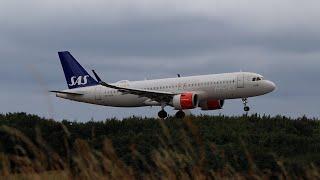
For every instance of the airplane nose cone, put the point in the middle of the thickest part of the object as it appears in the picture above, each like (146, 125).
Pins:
(271, 86)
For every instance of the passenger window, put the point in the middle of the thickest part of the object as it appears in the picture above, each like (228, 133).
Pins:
(254, 79)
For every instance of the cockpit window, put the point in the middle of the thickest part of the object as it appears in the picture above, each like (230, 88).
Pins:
(257, 78)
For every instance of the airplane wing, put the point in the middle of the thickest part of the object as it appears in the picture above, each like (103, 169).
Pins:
(158, 96)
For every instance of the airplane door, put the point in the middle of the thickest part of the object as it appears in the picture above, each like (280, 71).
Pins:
(98, 93)
(240, 81)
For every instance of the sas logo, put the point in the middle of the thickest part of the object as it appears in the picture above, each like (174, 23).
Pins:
(81, 80)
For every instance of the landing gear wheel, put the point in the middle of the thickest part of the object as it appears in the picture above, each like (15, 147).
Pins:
(180, 114)
(162, 114)
(245, 102)
(246, 108)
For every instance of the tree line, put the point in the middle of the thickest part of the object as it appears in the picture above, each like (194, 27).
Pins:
(209, 146)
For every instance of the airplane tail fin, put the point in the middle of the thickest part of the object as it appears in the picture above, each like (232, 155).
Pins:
(76, 75)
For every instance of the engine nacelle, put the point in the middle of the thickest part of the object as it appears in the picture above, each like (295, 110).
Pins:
(212, 104)
(185, 101)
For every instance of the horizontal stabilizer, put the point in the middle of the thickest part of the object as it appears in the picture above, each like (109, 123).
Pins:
(69, 93)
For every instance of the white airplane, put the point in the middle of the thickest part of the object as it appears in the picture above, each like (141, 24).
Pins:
(207, 92)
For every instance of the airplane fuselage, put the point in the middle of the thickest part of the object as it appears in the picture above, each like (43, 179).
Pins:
(215, 86)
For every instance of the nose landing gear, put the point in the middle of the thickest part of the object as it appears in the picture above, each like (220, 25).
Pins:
(245, 102)
(246, 108)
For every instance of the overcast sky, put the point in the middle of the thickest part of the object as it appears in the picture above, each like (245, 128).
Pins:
(134, 40)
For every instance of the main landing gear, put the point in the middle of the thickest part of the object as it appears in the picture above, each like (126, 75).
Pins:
(245, 102)
(163, 114)
(180, 114)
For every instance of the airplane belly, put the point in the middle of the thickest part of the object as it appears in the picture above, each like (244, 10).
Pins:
(244, 93)
(124, 101)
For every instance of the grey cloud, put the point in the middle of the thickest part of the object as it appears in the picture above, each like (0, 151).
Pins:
(178, 36)
(154, 40)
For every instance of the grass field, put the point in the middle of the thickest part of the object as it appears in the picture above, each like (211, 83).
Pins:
(219, 147)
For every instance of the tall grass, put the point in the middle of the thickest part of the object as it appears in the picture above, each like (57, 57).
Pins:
(182, 153)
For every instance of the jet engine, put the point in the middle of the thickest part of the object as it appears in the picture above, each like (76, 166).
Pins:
(185, 101)
(212, 104)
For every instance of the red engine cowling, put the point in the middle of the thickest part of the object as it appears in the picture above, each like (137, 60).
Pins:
(185, 101)
(212, 104)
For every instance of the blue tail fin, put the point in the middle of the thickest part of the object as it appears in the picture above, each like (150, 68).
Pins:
(75, 74)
